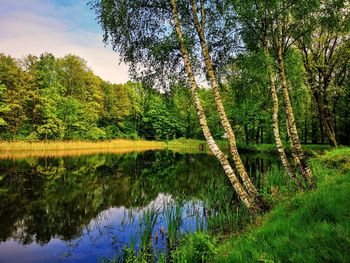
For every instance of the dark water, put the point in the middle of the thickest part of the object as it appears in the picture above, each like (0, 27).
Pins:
(80, 209)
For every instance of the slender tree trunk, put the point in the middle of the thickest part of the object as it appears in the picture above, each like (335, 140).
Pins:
(335, 102)
(244, 196)
(252, 134)
(347, 125)
(246, 134)
(257, 134)
(305, 129)
(293, 133)
(314, 120)
(276, 132)
(321, 130)
(219, 104)
(326, 120)
(296, 156)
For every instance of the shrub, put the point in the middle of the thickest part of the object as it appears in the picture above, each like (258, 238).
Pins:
(196, 247)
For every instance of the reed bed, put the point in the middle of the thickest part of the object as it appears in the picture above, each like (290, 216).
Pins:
(19, 149)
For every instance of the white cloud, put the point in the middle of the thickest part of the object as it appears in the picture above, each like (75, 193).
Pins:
(31, 27)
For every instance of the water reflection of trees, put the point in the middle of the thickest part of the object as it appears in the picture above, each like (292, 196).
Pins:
(48, 197)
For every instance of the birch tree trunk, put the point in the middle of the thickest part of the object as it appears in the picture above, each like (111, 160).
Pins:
(242, 193)
(219, 104)
(296, 156)
(291, 125)
(275, 125)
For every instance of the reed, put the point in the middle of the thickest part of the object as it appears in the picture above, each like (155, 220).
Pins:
(20, 149)
(222, 211)
(147, 223)
(173, 218)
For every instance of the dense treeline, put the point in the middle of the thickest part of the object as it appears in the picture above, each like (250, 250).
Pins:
(61, 98)
(252, 105)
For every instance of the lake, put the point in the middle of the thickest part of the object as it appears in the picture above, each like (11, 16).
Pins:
(86, 208)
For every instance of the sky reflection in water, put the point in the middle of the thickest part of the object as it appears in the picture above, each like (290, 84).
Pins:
(79, 209)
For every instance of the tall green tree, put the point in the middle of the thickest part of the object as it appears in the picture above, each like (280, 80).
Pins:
(326, 55)
(4, 108)
(14, 79)
(48, 90)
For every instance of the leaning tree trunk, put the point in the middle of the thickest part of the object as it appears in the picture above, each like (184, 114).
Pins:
(294, 138)
(326, 120)
(243, 195)
(296, 156)
(276, 132)
(219, 104)
(323, 111)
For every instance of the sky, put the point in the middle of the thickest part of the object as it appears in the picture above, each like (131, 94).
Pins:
(59, 27)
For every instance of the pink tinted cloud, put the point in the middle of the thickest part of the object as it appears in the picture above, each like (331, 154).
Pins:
(30, 29)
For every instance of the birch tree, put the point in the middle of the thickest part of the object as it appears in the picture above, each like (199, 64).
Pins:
(260, 22)
(285, 31)
(150, 37)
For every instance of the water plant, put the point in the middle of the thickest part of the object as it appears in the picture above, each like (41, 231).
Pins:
(147, 221)
(173, 218)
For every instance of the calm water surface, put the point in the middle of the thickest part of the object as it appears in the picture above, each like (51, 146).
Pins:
(81, 209)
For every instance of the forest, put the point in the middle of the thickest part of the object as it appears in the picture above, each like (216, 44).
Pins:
(49, 98)
(230, 144)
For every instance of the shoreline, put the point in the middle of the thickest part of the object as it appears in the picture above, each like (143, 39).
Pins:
(310, 226)
(23, 149)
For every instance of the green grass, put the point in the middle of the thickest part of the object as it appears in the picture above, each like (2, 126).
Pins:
(186, 145)
(310, 227)
(338, 159)
(195, 247)
(194, 146)
(183, 145)
(309, 149)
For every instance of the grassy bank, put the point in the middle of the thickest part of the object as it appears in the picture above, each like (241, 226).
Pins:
(187, 145)
(191, 145)
(309, 149)
(312, 226)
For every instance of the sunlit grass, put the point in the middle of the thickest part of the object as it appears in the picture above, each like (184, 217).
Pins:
(22, 149)
(344, 151)
(187, 145)
(183, 145)
(309, 149)
(309, 227)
